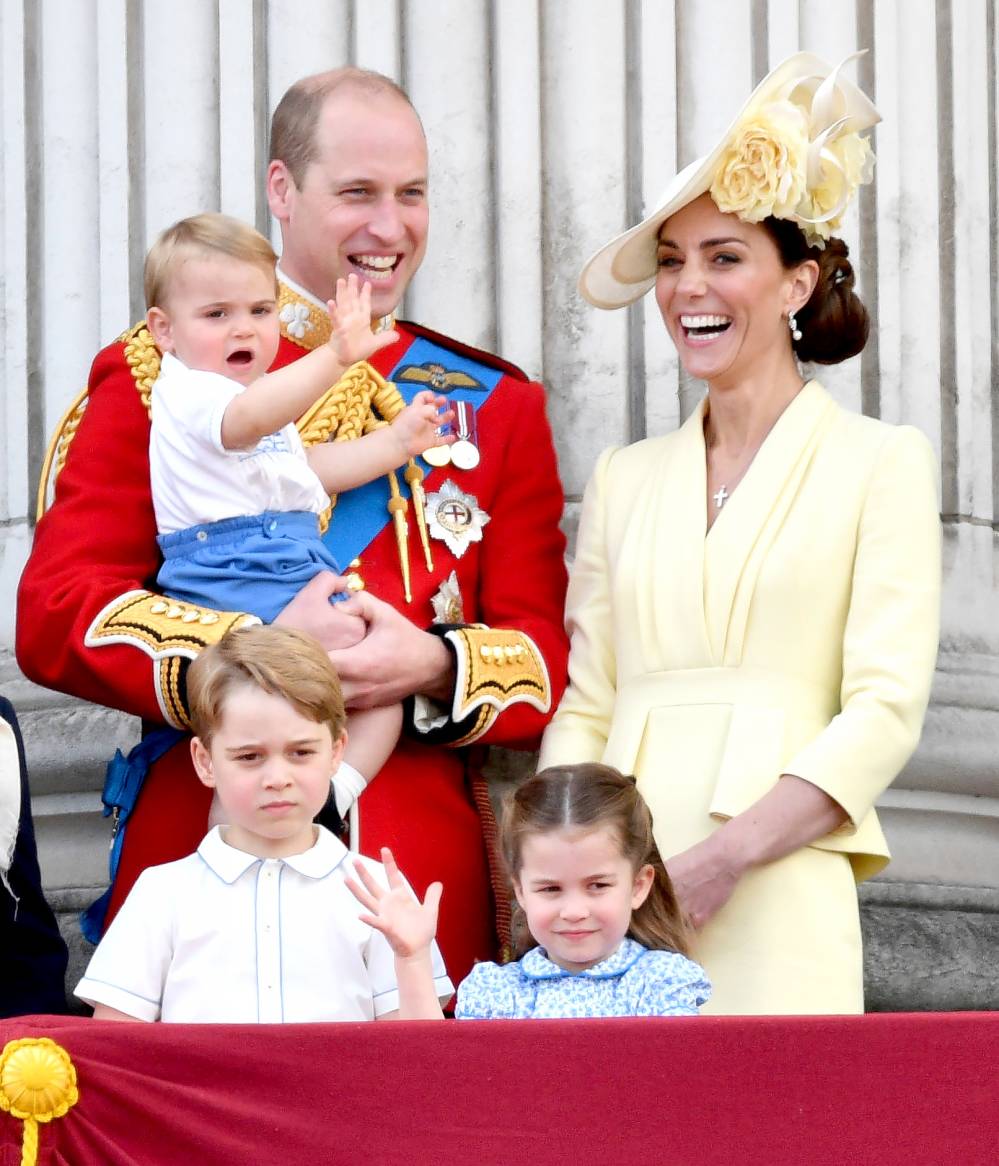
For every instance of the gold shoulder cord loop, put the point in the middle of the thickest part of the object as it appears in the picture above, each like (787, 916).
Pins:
(361, 401)
(55, 455)
(143, 358)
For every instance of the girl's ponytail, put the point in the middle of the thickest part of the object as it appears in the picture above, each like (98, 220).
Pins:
(659, 924)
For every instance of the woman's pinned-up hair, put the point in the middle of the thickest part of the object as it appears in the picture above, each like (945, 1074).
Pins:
(834, 324)
(589, 796)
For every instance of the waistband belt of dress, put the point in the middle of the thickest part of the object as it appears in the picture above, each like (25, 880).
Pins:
(742, 686)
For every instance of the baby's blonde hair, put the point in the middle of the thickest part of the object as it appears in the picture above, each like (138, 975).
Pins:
(196, 237)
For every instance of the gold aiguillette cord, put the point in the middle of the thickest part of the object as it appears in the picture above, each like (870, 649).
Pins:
(397, 507)
(414, 477)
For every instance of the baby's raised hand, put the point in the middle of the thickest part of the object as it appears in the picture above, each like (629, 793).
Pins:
(407, 924)
(417, 425)
(351, 337)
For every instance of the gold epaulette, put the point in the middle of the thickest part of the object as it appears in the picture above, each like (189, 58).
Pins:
(143, 358)
(496, 668)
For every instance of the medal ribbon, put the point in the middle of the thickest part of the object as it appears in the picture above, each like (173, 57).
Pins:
(361, 514)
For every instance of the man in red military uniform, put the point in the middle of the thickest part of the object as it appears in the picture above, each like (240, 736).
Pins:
(457, 569)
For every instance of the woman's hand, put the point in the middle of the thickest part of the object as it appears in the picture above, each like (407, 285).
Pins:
(792, 814)
(703, 878)
(407, 924)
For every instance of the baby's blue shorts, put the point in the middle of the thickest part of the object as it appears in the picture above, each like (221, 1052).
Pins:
(255, 563)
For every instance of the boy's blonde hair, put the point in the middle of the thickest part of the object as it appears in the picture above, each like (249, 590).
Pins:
(197, 237)
(280, 661)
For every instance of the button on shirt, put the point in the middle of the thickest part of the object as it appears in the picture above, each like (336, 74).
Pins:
(632, 982)
(223, 936)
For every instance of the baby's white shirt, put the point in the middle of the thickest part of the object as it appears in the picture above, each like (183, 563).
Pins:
(195, 479)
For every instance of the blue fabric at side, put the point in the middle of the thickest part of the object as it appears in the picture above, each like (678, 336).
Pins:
(122, 783)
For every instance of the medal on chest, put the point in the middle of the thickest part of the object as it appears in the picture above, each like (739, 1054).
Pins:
(464, 453)
(455, 517)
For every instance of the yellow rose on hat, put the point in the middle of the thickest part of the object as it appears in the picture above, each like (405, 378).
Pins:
(842, 165)
(794, 151)
(762, 169)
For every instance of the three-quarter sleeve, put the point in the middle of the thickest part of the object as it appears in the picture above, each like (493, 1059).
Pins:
(891, 633)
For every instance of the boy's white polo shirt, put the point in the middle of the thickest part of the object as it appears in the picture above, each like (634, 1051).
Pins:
(225, 937)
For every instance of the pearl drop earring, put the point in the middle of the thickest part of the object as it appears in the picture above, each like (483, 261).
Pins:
(792, 323)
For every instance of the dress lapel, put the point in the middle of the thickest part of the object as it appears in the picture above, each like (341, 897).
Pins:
(741, 535)
(671, 543)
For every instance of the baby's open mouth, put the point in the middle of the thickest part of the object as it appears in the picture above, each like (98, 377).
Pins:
(241, 356)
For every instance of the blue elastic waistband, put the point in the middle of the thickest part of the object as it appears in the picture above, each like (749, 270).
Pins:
(271, 524)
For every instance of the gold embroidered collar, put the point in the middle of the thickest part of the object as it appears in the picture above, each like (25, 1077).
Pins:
(304, 318)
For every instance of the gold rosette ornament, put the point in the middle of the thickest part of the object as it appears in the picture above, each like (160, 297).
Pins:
(37, 1084)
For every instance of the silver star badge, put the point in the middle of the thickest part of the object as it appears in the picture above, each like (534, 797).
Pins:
(455, 517)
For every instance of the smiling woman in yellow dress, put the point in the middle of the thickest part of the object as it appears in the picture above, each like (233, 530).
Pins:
(754, 605)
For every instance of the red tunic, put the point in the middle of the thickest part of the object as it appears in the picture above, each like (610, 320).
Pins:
(88, 625)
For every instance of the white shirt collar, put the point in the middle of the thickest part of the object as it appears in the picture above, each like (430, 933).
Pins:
(299, 290)
(320, 860)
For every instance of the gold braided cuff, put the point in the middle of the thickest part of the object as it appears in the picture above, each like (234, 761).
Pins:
(170, 633)
(496, 668)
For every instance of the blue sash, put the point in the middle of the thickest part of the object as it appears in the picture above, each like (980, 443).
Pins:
(361, 514)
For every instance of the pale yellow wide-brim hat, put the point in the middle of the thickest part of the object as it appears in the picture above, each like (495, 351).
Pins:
(806, 117)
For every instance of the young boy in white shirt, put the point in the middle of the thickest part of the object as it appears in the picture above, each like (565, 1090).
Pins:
(261, 925)
(237, 498)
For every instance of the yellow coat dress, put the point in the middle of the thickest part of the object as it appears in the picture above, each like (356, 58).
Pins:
(797, 636)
